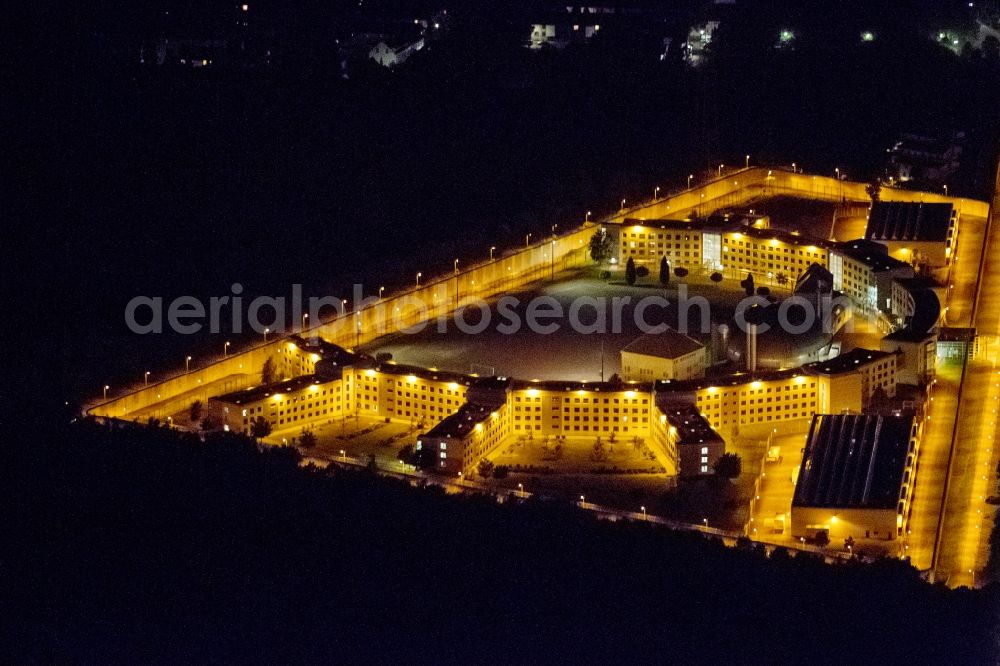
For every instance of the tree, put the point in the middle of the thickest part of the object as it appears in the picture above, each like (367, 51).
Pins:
(267, 372)
(763, 291)
(822, 538)
(716, 277)
(747, 284)
(874, 189)
(728, 466)
(485, 468)
(630, 271)
(781, 279)
(642, 271)
(196, 411)
(681, 272)
(600, 246)
(308, 439)
(664, 271)
(208, 424)
(501, 472)
(260, 428)
(383, 357)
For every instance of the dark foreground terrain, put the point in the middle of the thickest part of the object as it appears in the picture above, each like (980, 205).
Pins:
(134, 544)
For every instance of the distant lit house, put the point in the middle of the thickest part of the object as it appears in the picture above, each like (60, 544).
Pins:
(926, 159)
(392, 53)
(856, 477)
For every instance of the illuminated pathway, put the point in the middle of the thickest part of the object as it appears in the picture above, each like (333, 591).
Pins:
(967, 518)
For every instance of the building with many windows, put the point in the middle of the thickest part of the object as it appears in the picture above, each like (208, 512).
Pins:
(877, 370)
(687, 436)
(464, 438)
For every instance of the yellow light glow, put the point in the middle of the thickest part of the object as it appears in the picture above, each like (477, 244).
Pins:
(479, 426)
(411, 379)
(276, 397)
(314, 357)
(453, 386)
(774, 242)
(532, 393)
(833, 520)
(291, 346)
(629, 394)
(713, 389)
(581, 392)
(800, 380)
(370, 373)
(755, 385)
(738, 236)
(314, 388)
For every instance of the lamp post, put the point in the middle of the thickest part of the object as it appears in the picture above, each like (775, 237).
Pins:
(690, 176)
(587, 218)
(305, 319)
(418, 278)
(748, 162)
(583, 501)
(520, 488)
(623, 204)
(837, 170)
(527, 239)
(656, 190)
(794, 168)
(721, 166)
(380, 290)
(187, 364)
(705, 521)
(456, 267)
(343, 303)
(225, 349)
(643, 509)
(145, 378)
(106, 387)
(266, 331)
(492, 250)
(554, 227)
(946, 190)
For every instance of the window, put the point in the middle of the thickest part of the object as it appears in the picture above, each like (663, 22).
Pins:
(704, 469)
(704, 450)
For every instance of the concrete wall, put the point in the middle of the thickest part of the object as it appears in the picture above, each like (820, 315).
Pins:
(436, 296)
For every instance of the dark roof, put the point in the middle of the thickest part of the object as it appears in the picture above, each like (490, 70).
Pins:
(814, 277)
(849, 362)
(461, 423)
(571, 385)
(853, 461)
(908, 221)
(665, 388)
(255, 393)
(872, 254)
(907, 334)
(692, 428)
(956, 334)
(926, 310)
(669, 344)
(334, 355)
